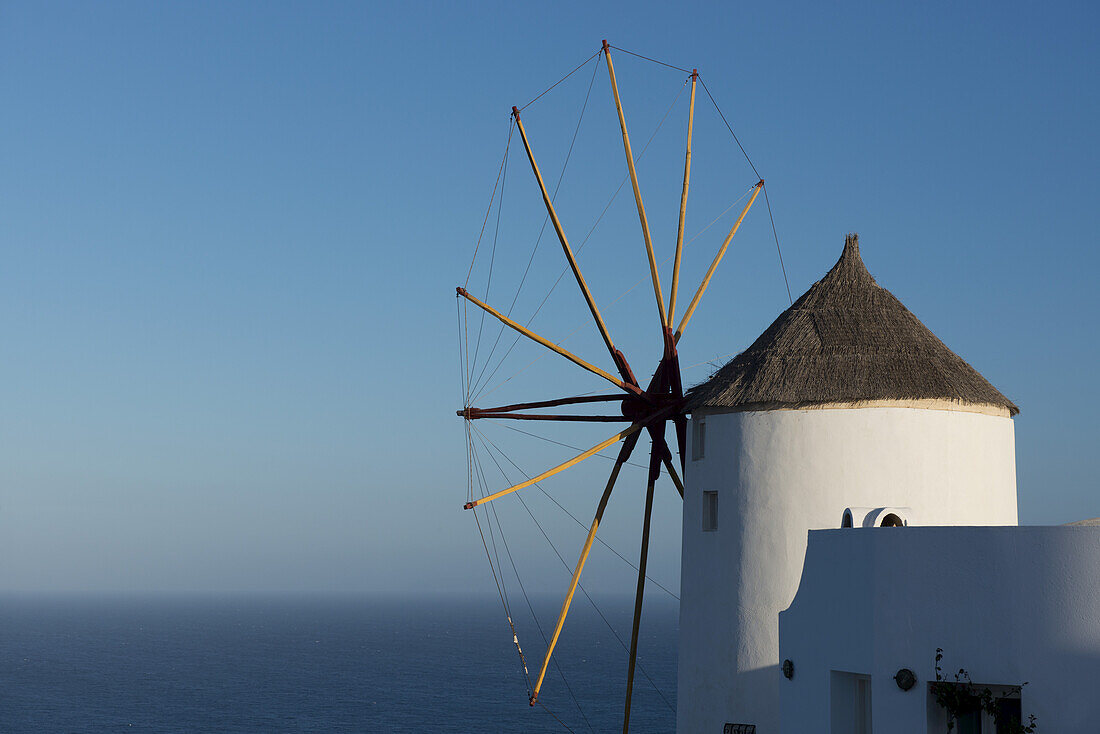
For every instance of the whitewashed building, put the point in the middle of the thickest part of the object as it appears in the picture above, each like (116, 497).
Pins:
(1009, 605)
(846, 412)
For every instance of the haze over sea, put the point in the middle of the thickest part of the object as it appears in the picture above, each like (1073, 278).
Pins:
(192, 663)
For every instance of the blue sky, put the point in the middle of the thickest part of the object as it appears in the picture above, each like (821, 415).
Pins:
(231, 234)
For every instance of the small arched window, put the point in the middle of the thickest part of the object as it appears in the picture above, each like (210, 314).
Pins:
(846, 521)
(892, 521)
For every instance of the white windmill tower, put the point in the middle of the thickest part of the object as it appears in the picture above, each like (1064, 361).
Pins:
(846, 410)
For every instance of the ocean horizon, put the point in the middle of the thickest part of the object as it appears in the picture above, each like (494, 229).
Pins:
(218, 662)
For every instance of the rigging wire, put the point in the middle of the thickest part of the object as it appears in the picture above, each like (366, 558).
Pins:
(511, 124)
(469, 466)
(568, 728)
(770, 217)
(655, 61)
(542, 230)
(462, 378)
(530, 607)
(559, 81)
(592, 601)
(550, 497)
(492, 257)
(515, 636)
(575, 448)
(508, 609)
(776, 234)
(569, 569)
(714, 221)
(622, 183)
(466, 337)
(496, 580)
(461, 370)
(493, 540)
(729, 127)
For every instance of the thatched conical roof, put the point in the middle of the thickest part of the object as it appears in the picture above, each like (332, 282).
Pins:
(847, 340)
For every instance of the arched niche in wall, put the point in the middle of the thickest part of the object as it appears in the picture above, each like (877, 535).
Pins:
(889, 517)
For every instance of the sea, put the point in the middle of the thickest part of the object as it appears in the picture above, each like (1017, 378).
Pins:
(281, 663)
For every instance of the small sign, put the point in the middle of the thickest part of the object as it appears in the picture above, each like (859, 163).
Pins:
(739, 729)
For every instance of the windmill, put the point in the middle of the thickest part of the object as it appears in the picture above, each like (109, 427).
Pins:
(645, 409)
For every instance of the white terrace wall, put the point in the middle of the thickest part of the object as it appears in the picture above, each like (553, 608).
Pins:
(1007, 604)
(780, 473)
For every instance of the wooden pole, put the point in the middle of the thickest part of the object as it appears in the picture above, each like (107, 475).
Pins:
(675, 477)
(683, 206)
(549, 344)
(714, 264)
(637, 191)
(559, 468)
(654, 472)
(547, 403)
(475, 414)
(624, 454)
(564, 242)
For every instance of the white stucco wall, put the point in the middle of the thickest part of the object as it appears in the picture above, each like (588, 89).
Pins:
(780, 473)
(1007, 604)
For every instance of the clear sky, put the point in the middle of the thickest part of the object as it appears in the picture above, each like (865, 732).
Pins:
(231, 234)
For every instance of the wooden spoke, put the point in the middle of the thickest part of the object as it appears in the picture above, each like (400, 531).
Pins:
(549, 403)
(654, 472)
(474, 414)
(714, 265)
(565, 243)
(549, 344)
(637, 191)
(683, 207)
(675, 477)
(624, 454)
(632, 430)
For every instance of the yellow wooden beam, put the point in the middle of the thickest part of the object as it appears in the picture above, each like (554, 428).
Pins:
(683, 206)
(624, 454)
(714, 264)
(559, 468)
(549, 344)
(564, 242)
(637, 191)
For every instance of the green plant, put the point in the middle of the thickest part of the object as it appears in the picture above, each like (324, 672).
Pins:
(961, 696)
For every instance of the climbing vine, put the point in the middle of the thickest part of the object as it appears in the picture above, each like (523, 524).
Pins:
(960, 696)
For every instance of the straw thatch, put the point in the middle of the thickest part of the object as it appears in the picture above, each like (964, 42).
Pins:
(846, 340)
